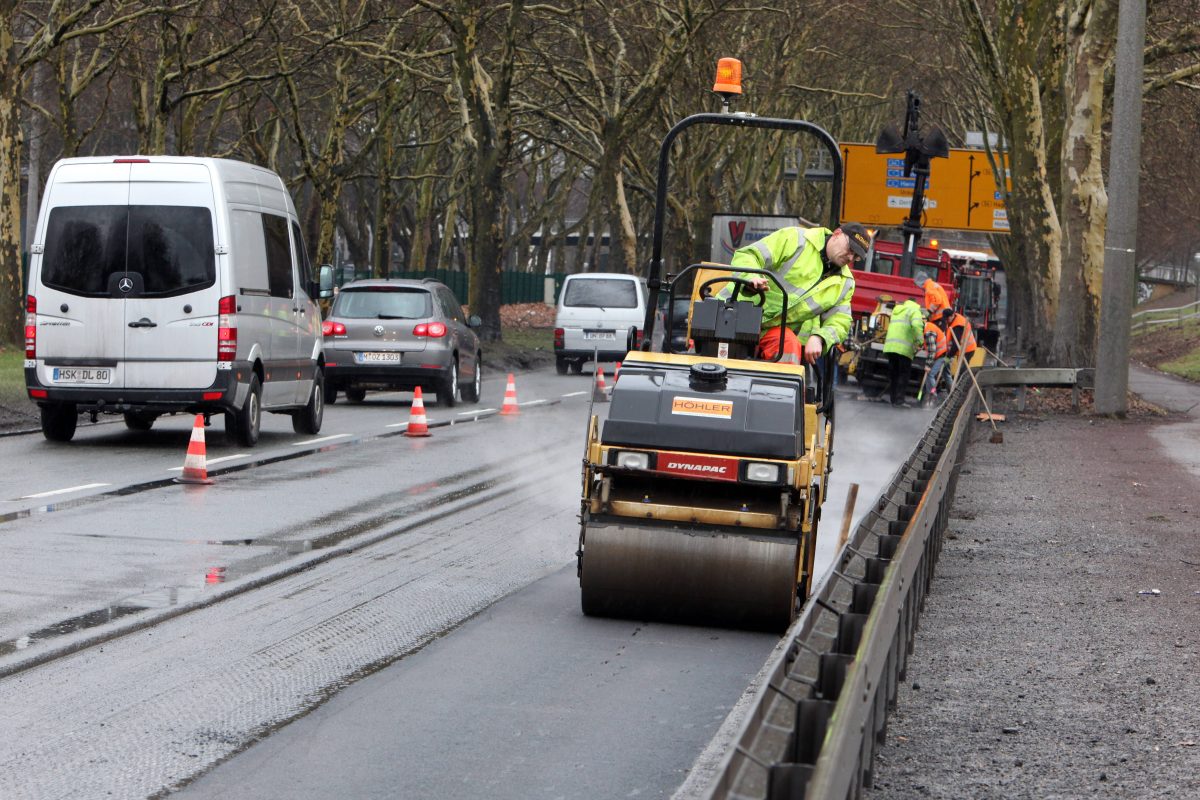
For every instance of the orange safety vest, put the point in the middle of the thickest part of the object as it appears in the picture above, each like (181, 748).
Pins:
(935, 295)
(939, 336)
(966, 337)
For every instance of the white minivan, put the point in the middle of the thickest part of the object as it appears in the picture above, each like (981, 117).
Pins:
(171, 284)
(600, 318)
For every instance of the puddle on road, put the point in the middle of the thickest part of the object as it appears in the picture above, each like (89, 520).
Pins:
(82, 622)
(276, 550)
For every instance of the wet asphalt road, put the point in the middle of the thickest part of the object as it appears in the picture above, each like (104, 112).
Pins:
(527, 697)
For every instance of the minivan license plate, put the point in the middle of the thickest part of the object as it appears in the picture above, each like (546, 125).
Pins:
(608, 335)
(379, 358)
(81, 375)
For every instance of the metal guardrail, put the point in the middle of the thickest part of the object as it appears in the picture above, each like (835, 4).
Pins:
(1163, 316)
(812, 729)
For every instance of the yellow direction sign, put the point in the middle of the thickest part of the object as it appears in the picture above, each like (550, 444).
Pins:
(961, 193)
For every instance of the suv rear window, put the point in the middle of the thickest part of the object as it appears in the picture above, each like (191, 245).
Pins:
(171, 247)
(601, 292)
(382, 302)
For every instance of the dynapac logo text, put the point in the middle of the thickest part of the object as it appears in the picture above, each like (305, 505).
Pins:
(697, 467)
(711, 468)
(702, 407)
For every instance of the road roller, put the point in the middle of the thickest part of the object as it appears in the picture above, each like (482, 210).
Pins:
(703, 484)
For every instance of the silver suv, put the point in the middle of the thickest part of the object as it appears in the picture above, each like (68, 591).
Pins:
(399, 334)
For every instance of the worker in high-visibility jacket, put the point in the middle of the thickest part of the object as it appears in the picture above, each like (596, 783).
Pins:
(813, 264)
(935, 295)
(905, 335)
(935, 348)
(959, 334)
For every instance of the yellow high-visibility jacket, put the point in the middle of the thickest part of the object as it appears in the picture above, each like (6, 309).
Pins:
(906, 330)
(818, 299)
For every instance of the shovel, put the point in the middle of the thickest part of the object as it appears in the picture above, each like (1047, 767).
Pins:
(997, 436)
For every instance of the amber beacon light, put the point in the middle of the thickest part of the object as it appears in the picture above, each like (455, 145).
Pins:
(729, 77)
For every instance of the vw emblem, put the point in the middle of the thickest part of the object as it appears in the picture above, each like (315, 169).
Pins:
(125, 284)
(379, 330)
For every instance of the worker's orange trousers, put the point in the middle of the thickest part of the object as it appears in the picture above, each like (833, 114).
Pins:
(768, 346)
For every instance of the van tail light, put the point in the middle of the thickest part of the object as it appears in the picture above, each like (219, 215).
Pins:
(30, 327)
(637, 339)
(332, 329)
(227, 328)
(559, 339)
(433, 330)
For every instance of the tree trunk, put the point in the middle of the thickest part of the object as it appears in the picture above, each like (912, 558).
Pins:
(12, 282)
(1085, 200)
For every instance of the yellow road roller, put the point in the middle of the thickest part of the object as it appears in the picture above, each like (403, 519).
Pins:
(702, 487)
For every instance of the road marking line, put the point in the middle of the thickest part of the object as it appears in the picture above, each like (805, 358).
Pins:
(532, 403)
(322, 439)
(208, 461)
(475, 412)
(64, 491)
(573, 394)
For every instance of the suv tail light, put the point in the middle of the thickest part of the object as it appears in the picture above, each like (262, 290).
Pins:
(329, 328)
(30, 327)
(559, 339)
(431, 329)
(227, 328)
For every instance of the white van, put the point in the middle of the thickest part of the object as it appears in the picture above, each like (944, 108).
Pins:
(171, 284)
(600, 318)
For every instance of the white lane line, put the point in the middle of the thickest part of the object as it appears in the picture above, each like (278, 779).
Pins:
(208, 461)
(405, 424)
(532, 403)
(321, 439)
(573, 394)
(475, 412)
(65, 491)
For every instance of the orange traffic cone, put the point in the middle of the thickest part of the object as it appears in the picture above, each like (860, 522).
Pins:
(616, 373)
(510, 397)
(599, 390)
(417, 426)
(195, 468)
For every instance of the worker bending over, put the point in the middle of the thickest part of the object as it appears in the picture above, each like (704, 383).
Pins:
(935, 296)
(935, 348)
(813, 265)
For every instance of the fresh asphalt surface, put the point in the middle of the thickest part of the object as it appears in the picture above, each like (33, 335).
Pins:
(455, 597)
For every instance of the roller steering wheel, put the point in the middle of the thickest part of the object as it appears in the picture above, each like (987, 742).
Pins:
(756, 296)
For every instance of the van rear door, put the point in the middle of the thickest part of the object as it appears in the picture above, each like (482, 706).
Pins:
(80, 338)
(170, 283)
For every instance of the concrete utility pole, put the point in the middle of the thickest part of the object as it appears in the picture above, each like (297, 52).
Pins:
(1120, 238)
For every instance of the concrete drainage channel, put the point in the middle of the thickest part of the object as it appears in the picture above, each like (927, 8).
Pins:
(812, 728)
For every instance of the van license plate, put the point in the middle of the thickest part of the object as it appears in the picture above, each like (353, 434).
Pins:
(81, 375)
(606, 335)
(379, 358)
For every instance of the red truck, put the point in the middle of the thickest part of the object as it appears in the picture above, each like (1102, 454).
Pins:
(880, 274)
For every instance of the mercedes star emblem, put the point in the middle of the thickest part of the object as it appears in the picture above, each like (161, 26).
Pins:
(125, 284)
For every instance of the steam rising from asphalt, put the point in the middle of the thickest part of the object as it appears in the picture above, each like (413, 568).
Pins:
(870, 441)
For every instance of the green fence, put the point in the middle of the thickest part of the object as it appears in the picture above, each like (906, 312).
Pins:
(515, 287)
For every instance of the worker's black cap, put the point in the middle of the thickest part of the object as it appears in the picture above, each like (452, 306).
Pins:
(860, 240)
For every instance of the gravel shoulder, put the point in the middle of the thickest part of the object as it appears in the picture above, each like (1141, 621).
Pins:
(1044, 667)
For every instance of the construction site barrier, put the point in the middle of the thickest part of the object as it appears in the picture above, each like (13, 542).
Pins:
(812, 728)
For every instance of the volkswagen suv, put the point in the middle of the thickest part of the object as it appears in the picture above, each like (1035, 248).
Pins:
(398, 334)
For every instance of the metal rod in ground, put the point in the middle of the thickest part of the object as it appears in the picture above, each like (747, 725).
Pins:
(848, 516)
(997, 436)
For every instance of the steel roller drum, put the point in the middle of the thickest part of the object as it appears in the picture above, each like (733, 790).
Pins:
(745, 579)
